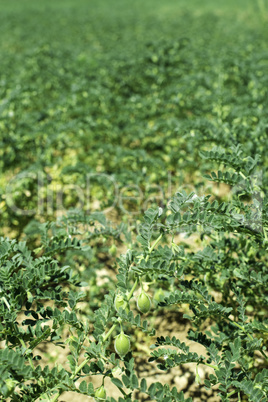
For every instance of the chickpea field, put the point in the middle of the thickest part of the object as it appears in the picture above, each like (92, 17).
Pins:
(133, 200)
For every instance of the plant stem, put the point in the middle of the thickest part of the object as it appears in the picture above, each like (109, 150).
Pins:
(132, 289)
(250, 336)
(6, 302)
(231, 393)
(153, 246)
(26, 350)
(242, 328)
(242, 175)
(210, 365)
(128, 298)
(109, 332)
(79, 368)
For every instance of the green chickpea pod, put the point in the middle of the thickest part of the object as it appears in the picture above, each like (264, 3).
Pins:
(120, 302)
(100, 394)
(113, 250)
(143, 302)
(122, 344)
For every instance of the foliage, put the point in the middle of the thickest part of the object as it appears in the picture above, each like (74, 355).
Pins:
(127, 108)
(235, 338)
(120, 141)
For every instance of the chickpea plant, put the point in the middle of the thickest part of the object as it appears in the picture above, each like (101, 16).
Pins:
(233, 263)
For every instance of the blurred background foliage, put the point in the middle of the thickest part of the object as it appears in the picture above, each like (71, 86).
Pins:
(116, 99)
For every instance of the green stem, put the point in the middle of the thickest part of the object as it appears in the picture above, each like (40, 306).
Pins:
(210, 365)
(109, 332)
(150, 252)
(128, 298)
(153, 246)
(242, 175)
(265, 235)
(231, 393)
(122, 391)
(26, 350)
(242, 328)
(6, 302)
(250, 336)
(77, 370)
(264, 355)
(132, 289)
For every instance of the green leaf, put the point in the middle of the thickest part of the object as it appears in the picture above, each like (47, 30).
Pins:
(117, 382)
(83, 387)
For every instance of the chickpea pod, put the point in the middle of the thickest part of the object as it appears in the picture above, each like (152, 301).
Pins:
(122, 344)
(120, 302)
(100, 394)
(143, 302)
